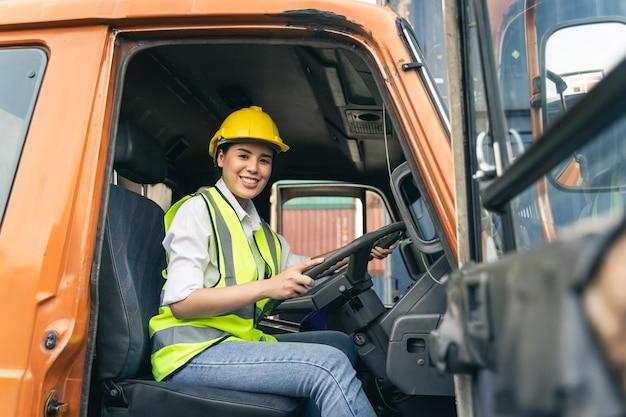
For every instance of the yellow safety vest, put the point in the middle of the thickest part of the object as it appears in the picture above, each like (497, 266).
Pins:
(174, 341)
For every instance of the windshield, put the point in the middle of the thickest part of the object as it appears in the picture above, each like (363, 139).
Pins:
(548, 55)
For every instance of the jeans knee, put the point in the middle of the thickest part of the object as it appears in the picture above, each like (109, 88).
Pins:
(347, 346)
(336, 360)
(338, 378)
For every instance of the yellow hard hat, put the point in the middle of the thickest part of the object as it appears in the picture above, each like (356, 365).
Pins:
(250, 123)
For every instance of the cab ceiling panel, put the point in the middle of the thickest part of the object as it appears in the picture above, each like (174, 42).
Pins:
(233, 76)
(268, 76)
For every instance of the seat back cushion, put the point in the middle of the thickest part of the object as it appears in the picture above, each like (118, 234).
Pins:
(129, 284)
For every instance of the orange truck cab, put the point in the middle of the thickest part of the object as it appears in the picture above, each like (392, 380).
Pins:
(106, 110)
(505, 293)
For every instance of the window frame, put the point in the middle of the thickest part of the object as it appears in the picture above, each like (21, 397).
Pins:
(412, 45)
(45, 58)
(323, 189)
(399, 175)
(357, 191)
(495, 113)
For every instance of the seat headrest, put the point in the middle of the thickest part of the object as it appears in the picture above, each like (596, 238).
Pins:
(138, 156)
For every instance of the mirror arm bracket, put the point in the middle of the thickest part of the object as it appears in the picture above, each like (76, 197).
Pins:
(535, 96)
(411, 65)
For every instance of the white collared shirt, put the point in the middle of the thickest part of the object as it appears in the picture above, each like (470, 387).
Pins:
(192, 263)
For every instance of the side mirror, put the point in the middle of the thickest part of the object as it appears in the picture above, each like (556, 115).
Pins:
(575, 58)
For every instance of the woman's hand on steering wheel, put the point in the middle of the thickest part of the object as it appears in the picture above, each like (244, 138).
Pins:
(356, 253)
(291, 282)
(376, 253)
(381, 253)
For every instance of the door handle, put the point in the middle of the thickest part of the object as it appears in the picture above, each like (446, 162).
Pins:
(486, 170)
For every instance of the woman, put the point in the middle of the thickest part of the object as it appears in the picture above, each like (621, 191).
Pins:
(205, 332)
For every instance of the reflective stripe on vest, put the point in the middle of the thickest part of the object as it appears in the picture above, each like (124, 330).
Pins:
(183, 334)
(174, 341)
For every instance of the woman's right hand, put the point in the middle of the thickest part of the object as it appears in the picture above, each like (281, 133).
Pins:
(291, 282)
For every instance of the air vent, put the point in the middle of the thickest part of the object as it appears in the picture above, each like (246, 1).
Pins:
(364, 122)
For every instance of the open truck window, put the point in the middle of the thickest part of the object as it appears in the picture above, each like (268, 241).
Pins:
(329, 100)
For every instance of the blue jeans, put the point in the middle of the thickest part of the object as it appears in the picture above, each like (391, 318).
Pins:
(295, 369)
(338, 340)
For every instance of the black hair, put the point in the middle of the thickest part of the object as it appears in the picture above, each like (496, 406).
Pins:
(224, 147)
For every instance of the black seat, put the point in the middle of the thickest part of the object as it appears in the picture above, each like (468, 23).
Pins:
(129, 287)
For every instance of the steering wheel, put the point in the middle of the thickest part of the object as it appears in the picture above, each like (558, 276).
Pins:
(358, 252)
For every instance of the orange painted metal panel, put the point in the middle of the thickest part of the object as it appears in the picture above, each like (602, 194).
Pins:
(33, 12)
(48, 233)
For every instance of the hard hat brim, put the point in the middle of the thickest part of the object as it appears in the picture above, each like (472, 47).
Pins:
(277, 145)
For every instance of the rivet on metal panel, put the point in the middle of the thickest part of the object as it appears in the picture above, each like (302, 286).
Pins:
(51, 340)
(31, 74)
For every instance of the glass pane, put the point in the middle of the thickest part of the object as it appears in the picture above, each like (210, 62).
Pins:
(575, 62)
(588, 184)
(22, 70)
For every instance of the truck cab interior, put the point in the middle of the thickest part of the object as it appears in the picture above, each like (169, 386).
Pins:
(329, 103)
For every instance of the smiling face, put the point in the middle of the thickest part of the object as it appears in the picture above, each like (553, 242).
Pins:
(246, 168)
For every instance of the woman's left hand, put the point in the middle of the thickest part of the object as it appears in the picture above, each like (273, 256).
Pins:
(376, 253)
(381, 253)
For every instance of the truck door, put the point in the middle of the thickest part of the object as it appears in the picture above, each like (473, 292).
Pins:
(541, 203)
(52, 93)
